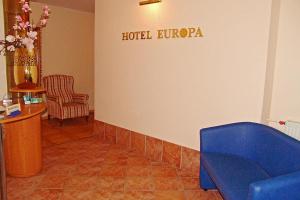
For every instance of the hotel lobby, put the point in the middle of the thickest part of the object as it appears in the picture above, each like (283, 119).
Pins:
(142, 88)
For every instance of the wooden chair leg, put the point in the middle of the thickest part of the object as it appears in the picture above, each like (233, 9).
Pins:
(61, 121)
(49, 117)
(87, 118)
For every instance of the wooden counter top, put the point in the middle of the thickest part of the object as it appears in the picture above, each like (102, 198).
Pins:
(27, 111)
(34, 90)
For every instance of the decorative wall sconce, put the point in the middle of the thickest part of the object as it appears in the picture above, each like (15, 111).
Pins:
(149, 2)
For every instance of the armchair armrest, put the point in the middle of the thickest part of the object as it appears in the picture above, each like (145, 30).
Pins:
(56, 99)
(277, 188)
(80, 98)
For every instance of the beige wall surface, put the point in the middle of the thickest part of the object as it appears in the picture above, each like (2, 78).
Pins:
(3, 83)
(286, 87)
(169, 89)
(68, 46)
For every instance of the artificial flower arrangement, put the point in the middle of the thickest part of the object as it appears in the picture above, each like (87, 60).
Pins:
(25, 33)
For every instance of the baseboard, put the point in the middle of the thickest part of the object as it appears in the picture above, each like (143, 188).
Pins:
(156, 150)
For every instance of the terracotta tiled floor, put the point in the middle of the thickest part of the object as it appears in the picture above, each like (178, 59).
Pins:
(77, 165)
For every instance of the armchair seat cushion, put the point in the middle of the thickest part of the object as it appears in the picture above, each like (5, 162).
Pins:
(232, 174)
(74, 109)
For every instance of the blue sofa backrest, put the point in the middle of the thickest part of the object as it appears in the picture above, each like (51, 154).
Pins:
(274, 151)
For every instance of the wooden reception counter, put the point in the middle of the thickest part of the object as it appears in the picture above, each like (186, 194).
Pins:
(22, 141)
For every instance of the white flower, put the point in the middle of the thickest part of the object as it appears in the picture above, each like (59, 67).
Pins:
(10, 38)
(11, 48)
(28, 42)
(32, 35)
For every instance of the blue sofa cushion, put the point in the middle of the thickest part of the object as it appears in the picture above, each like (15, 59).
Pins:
(232, 174)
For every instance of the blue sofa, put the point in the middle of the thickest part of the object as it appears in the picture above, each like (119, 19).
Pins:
(250, 161)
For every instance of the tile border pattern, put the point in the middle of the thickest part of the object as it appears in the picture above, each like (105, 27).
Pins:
(154, 149)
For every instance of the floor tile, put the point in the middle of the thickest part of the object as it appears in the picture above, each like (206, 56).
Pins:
(163, 171)
(50, 181)
(102, 195)
(139, 171)
(81, 183)
(139, 184)
(46, 194)
(139, 195)
(85, 169)
(190, 183)
(79, 165)
(78, 195)
(110, 184)
(117, 196)
(200, 194)
(138, 161)
(110, 170)
(169, 195)
(168, 183)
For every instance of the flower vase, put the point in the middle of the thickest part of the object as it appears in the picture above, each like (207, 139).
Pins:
(25, 68)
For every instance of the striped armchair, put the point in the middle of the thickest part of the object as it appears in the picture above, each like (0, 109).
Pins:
(62, 101)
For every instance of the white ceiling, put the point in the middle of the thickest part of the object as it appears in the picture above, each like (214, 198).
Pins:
(82, 5)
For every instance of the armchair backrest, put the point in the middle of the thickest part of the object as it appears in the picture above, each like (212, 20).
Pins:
(59, 85)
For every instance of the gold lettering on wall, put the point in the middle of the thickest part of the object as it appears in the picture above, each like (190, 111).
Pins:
(125, 36)
(191, 32)
(138, 35)
(160, 34)
(199, 33)
(175, 33)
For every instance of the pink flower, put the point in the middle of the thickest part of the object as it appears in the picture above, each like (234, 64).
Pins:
(24, 25)
(21, 27)
(46, 7)
(43, 22)
(46, 13)
(19, 18)
(26, 7)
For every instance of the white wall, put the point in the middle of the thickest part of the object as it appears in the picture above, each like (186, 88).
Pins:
(68, 46)
(3, 82)
(169, 89)
(286, 88)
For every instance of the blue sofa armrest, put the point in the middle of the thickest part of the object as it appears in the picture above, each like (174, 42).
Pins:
(227, 139)
(277, 188)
